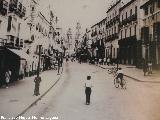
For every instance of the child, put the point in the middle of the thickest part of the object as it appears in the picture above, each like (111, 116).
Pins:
(88, 90)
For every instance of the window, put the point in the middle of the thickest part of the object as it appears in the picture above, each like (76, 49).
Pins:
(126, 15)
(0, 24)
(136, 10)
(131, 12)
(32, 8)
(117, 52)
(125, 33)
(135, 29)
(114, 52)
(115, 29)
(146, 11)
(121, 34)
(9, 24)
(158, 3)
(152, 8)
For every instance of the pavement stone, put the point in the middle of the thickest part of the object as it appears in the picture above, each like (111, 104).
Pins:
(19, 96)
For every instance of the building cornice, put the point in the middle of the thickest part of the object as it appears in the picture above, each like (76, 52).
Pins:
(147, 3)
(126, 5)
(157, 12)
(113, 6)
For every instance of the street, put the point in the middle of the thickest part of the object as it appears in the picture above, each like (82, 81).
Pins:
(140, 101)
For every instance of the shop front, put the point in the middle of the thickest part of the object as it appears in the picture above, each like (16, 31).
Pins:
(13, 60)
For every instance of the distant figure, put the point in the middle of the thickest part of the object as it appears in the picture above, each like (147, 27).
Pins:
(150, 67)
(7, 77)
(108, 61)
(104, 61)
(145, 67)
(88, 90)
(59, 64)
(67, 58)
(120, 76)
(100, 61)
(37, 81)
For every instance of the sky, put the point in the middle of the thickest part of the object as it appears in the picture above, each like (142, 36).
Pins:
(86, 12)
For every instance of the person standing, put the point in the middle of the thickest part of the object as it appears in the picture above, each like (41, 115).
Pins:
(145, 67)
(88, 90)
(37, 81)
(150, 67)
(7, 77)
(59, 63)
(108, 61)
(104, 60)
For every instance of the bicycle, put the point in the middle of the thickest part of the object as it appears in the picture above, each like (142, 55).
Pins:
(117, 83)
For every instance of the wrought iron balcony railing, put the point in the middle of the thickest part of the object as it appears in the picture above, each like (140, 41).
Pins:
(13, 5)
(3, 7)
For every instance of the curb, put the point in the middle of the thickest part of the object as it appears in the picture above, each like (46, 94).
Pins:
(135, 79)
(102, 67)
(32, 104)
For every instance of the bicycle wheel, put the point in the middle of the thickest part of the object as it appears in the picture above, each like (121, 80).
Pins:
(123, 84)
(116, 83)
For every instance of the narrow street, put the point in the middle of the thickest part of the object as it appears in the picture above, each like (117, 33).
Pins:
(67, 99)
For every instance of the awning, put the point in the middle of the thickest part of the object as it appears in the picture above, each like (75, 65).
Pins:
(21, 54)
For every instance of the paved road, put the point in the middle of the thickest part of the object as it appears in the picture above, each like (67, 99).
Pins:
(141, 101)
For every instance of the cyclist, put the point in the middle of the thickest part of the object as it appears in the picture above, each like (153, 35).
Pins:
(120, 76)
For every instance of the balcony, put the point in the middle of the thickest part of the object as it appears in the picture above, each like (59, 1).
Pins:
(23, 11)
(124, 22)
(112, 37)
(93, 34)
(3, 7)
(134, 17)
(13, 5)
(19, 9)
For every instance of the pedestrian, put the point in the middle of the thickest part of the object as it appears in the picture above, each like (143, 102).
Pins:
(108, 61)
(150, 67)
(104, 60)
(88, 90)
(100, 61)
(37, 81)
(59, 64)
(7, 77)
(145, 67)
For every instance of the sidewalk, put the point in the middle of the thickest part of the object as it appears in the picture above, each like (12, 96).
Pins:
(137, 74)
(19, 96)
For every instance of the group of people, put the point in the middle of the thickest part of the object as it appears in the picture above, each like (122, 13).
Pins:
(101, 61)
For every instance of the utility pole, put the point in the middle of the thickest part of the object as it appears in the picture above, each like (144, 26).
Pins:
(37, 79)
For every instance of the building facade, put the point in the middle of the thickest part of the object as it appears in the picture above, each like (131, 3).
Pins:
(130, 50)
(3, 21)
(112, 30)
(150, 31)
